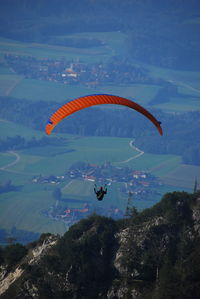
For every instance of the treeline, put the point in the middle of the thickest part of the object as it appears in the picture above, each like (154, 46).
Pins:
(181, 131)
(12, 254)
(8, 187)
(15, 235)
(155, 34)
(191, 155)
(19, 142)
(171, 45)
(181, 137)
(76, 42)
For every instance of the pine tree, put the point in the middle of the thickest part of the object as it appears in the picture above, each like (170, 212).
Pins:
(195, 185)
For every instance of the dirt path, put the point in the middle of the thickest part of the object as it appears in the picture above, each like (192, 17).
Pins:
(17, 160)
(185, 85)
(140, 153)
(12, 86)
(17, 156)
(68, 184)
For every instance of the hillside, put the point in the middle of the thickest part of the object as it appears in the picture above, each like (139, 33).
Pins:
(153, 254)
(164, 34)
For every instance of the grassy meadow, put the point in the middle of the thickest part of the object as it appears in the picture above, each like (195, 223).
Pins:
(111, 45)
(47, 91)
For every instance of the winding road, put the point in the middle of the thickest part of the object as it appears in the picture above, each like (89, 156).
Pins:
(140, 153)
(12, 163)
(185, 85)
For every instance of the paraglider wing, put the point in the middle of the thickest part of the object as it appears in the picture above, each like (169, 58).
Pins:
(91, 100)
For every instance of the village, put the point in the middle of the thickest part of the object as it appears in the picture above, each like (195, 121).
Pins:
(135, 181)
(105, 174)
(73, 73)
(69, 215)
(139, 183)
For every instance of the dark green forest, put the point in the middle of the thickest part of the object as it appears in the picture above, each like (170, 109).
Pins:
(99, 122)
(160, 33)
(18, 142)
(14, 235)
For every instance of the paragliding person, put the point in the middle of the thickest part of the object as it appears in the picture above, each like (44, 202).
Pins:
(101, 192)
(98, 99)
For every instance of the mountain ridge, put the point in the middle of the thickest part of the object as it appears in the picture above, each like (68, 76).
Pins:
(152, 254)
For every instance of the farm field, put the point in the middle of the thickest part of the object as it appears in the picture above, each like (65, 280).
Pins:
(185, 79)
(111, 42)
(181, 105)
(141, 93)
(158, 165)
(58, 92)
(5, 159)
(9, 129)
(184, 176)
(47, 91)
(188, 84)
(23, 210)
(8, 82)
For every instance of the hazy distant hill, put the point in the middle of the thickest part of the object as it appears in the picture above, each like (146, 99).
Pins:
(161, 33)
(153, 254)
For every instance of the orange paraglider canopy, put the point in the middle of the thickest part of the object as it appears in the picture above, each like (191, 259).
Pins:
(91, 100)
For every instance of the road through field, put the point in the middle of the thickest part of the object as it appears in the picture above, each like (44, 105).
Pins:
(185, 85)
(140, 153)
(12, 163)
(66, 186)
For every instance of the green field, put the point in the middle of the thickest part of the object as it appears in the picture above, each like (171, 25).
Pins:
(112, 42)
(142, 93)
(187, 79)
(24, 212)
(54, 91)
(5, 159)
(74, 188)
(8, 82)
(188, 84)
(181, 105)
(47, 91)
(183, 176)
(4, 70)
(8, 129)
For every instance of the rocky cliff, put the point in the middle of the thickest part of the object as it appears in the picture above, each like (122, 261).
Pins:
(153, 254)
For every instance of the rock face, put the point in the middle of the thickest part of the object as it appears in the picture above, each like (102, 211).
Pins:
(196, 216)
(7, 279)
(154, 254)
(133, 243)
